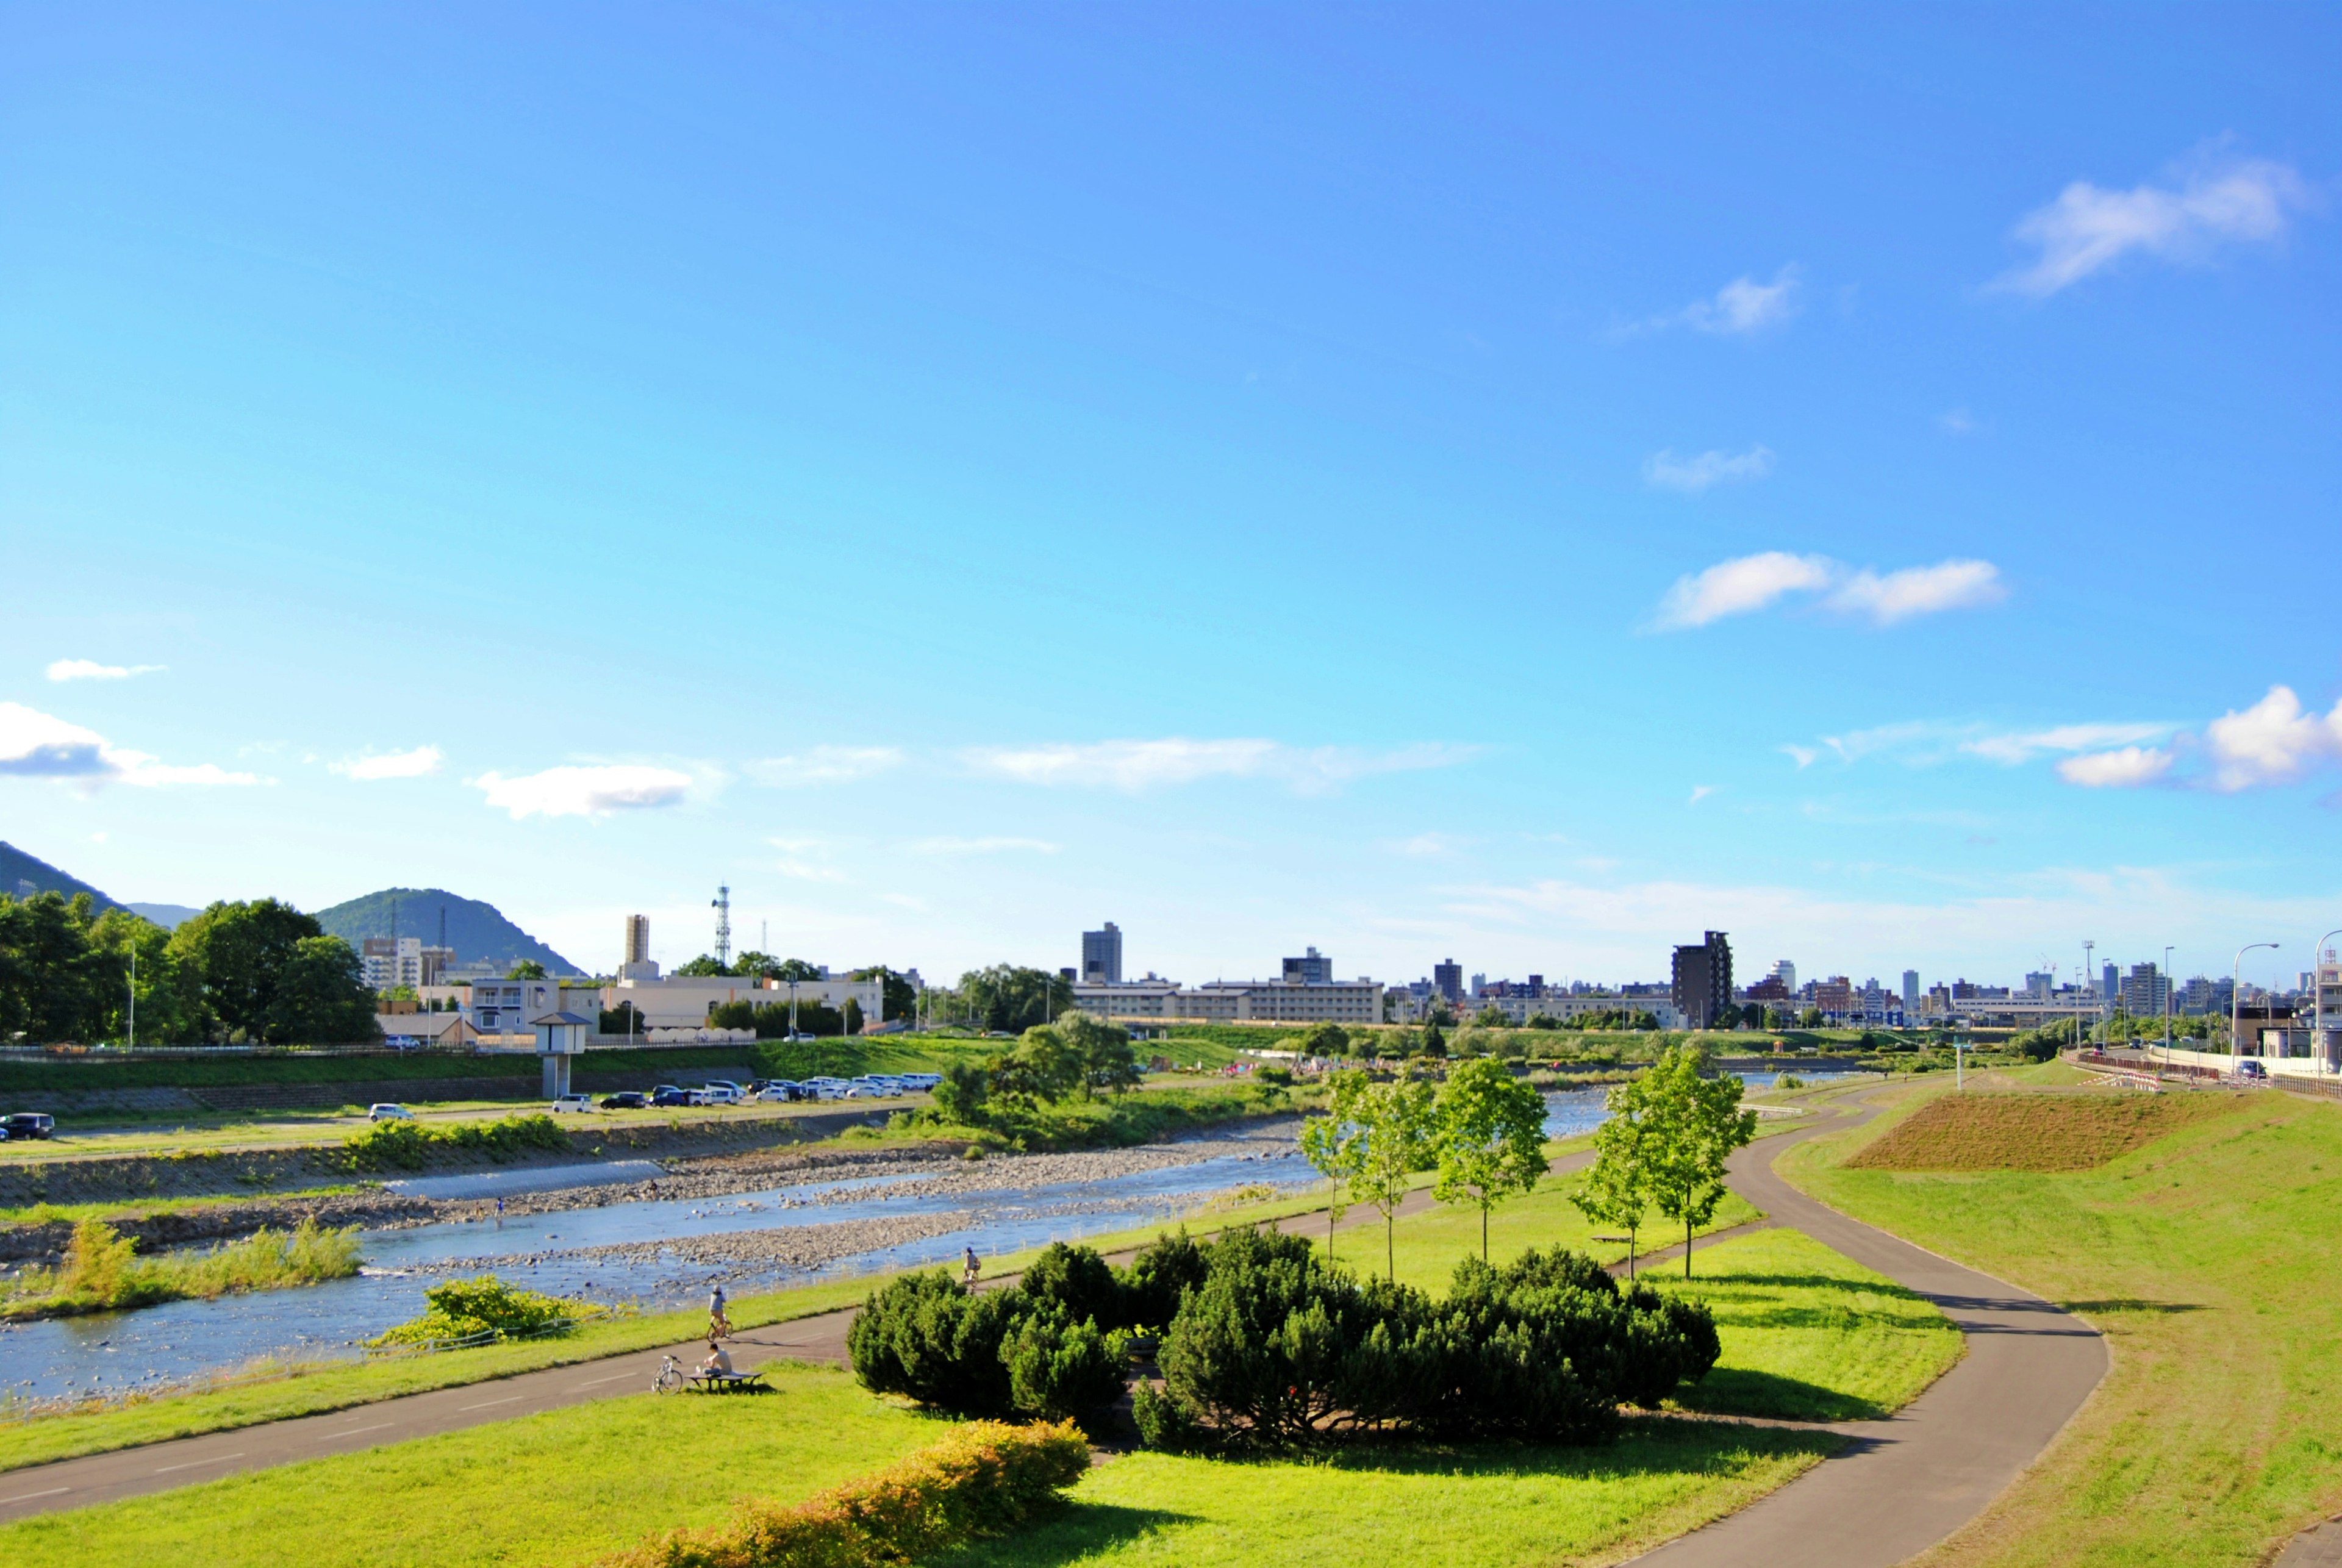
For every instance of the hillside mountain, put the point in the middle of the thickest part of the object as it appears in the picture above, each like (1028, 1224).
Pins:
(21, 873)
(475, 930)
(169, 916)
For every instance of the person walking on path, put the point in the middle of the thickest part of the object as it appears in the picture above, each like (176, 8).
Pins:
(718, 1324)
(969, 1268)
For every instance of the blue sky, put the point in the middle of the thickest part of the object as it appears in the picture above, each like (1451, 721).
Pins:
(1492, 481)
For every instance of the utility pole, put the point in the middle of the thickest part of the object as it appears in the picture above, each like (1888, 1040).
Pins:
(2166, 1007)
(131, 1038)
(722, 905)
(2090, 980)
(2236, 1001)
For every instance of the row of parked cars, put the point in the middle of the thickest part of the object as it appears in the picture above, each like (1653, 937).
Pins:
(729, 1092)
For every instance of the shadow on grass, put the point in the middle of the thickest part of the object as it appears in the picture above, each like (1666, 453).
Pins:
(1743, 1391)
(1081, 1532)
(2132, 1303)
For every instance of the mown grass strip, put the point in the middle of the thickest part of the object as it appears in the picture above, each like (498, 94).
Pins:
(2035, 1131)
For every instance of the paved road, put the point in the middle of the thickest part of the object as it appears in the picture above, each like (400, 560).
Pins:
(1905, 1483)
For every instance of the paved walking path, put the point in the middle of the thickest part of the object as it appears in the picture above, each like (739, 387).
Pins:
(1905, 1483)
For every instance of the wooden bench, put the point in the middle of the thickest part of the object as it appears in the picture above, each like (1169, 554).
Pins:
(730, 1383)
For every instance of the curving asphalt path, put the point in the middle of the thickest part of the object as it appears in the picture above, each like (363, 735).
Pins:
(1904, 1483)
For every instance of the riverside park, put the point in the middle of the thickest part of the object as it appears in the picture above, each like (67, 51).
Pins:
(2022, 1312)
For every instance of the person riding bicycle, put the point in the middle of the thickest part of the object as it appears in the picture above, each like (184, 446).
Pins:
(718, 1324)
(969, 1268)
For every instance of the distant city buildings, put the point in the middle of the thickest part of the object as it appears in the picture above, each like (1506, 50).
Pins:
(1312, 968)
(1306, 993)
(387, 961)
(1447, 979)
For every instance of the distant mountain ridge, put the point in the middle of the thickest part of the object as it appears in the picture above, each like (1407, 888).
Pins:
(475, 930)
(19, 869)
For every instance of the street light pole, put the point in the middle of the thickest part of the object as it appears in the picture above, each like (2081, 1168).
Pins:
(2167, 1006)
(2089, 979)
(2236, 1000)
(2317, 997)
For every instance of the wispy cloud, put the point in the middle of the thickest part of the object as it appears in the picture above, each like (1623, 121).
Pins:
(1425, 845)
(2210, 202)
(1751, 583)
(1693, 474)
(416, 763)
(586, 791)
(2023, 746)
(1744, 305)
(2127, 767)
(90, 670)
(825, 765)
(959, 846)
(35, 745)
(1701, 791)
(1142, 764)
(1957, 422)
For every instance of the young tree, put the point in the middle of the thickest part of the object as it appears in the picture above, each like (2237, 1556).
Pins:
(1489, 1137)
(1043, 1065)
(1395, 1120)
(1617, 1189)
(1697, 1123)
(1108, 1060)
(1335, 1145)
(1007, 996)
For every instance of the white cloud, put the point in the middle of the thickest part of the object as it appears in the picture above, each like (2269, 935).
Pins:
(1693, 474)
(1739, 586)
(411, 764)
(1132, 765)
(1957, 422)
(1919, 591)
(2023, 748)
(2124, 768)
(90, 670)
(1804, 757)
(1701, 791)
(595, 791)
(825, 765)
(35, 745)
(2272, 742)
(956, 846)
(2212, 203)
(1744, 305)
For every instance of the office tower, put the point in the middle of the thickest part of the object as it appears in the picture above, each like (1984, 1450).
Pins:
(1702, 985)
(1102, 955)
(1313, 969)
(1447, 979)
(1910, 994)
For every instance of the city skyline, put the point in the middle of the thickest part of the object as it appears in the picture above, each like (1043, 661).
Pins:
(938, 481)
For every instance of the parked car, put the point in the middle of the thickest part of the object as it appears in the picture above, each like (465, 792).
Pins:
(781, 1089)
(384, 1111)
(30, 1124)
(918, 1082)
(718, 1095)
(2248, 1068)
(624, 1099)
(573, 1101)
(669, 1095)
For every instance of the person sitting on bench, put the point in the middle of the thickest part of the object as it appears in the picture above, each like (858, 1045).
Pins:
(718, 1363)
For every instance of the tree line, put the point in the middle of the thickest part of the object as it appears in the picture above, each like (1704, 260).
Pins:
(258, 972)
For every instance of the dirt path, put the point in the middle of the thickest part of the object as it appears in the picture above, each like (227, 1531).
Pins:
(1904, 1483)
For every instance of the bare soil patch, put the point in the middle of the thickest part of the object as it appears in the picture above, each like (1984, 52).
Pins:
(2035, 1131)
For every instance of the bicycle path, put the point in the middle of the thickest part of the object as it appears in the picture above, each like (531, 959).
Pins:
(1904, 1483)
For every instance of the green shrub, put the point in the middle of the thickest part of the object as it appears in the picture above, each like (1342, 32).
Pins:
(926, 1337)
(103, 1273)
(1062, 1367)
(462, 1309)
(408, 1145)
(985, 1479)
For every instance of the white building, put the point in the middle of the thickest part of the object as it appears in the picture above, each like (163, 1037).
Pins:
(1575, 1005)
(682, 1001)
(1237, 1001)
(386, 961)
(1786, 974)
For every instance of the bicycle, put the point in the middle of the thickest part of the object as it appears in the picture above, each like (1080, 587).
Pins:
(720, 1326)
(670, 1376)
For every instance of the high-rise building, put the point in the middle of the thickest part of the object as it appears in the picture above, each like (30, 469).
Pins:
(1703, 980)
(2145, 994)
(2039, 984)
(1311, 969)
(1789, 974)
(2109, 985)
(1102, 956)
(637, 964)
(1447, 979)
(387, 961)
(1910, 994)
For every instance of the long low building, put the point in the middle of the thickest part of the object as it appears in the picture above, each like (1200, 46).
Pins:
(1236, 1001)
(681, 1002)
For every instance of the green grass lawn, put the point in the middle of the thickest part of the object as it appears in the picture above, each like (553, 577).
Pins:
(1809, 1334)
(1422, 1506)
(561, 1488)
(2208, 1259)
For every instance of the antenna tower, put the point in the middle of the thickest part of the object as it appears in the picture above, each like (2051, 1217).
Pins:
(722, 905)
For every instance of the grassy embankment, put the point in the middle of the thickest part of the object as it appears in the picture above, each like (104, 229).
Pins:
(2207, 1257)
(102, 1273)
(1804, 1333)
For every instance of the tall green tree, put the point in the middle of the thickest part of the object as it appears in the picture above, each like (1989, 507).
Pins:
(1108, 1061)
(899, 999)
(1698, 1122)
(1488, 1136)
(319, 997)
(1617, 1187)
(526, 969)
(51, 976)
(1395, 1120)
(1043, 1065)
(1335, 1145)
(170, 1000)
(244, 954)
(1007, 998)
(707, 966)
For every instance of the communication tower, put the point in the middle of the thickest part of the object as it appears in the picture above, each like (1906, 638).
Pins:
(722, 905)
